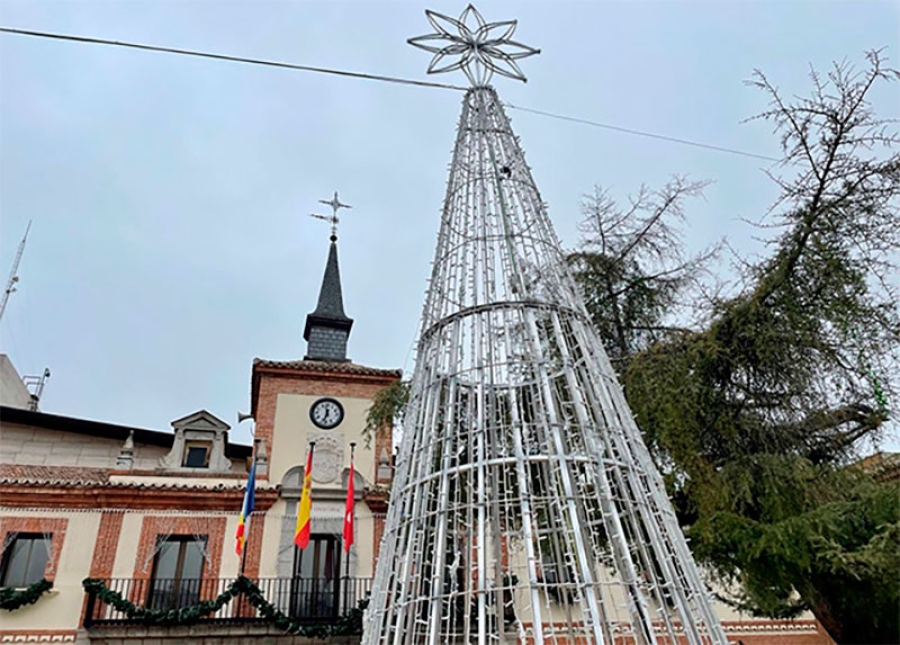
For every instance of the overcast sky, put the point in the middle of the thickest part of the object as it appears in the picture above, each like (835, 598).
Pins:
(171, 241)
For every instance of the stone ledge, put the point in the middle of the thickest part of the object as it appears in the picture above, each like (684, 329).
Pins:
(206, 634)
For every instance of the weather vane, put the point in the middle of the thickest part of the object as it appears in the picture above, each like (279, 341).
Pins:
(336, 205)
(479, 47)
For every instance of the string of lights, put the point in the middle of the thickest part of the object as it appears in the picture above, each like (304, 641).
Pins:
(369, 77)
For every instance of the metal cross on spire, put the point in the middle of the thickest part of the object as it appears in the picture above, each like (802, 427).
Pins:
(479, 47)
(336, 205)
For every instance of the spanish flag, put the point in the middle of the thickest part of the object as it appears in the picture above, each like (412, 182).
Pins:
(301, 536)
(243, 529)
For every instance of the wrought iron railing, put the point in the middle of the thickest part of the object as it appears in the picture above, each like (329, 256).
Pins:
(306, 600)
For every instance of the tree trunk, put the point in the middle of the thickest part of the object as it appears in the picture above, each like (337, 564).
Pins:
(829, 622)
(852, 611)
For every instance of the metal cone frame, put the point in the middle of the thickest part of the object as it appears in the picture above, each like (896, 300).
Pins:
(525, 508)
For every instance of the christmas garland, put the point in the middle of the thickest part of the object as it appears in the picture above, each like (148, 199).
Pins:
(12, 599)
(350, 623)
(167, 617)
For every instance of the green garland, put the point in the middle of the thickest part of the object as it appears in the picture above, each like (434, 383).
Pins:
(167, 617)
(12, 599)
(350, 623)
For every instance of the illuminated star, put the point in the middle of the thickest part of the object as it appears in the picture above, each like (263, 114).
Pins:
(479, 49)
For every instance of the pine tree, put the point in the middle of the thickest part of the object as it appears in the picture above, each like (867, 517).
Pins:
(760, 410)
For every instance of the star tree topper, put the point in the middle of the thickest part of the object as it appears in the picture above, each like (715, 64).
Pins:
(478, 49)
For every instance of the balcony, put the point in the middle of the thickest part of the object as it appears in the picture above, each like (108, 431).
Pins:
(308, 601)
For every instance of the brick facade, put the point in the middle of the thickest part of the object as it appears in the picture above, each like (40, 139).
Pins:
(254, 549)
(776, 632)
(325, 379)
(106, 545)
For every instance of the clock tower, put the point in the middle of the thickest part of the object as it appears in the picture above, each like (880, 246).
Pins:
(323, 398)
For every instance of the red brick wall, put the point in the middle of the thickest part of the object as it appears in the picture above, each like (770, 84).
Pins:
(105, 549)
(777, 632)
(254, 549)
(55, 525)
(106, 545)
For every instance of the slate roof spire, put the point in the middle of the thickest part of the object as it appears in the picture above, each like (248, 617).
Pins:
(328, 327)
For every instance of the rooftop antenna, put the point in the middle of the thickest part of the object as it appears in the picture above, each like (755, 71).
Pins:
(36, 382)
(13, 275)
(336, 205)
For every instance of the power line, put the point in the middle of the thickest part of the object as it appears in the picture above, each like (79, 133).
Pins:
(233, 59)
(370, 77)
(639, 133)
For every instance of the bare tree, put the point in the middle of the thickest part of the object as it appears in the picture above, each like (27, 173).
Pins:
(633, 268)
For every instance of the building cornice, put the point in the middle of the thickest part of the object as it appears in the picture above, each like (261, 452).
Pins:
(318, 371)
(376, 501)
(325, 367)
(70, 495)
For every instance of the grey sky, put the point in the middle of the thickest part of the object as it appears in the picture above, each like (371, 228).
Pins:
(171, 242)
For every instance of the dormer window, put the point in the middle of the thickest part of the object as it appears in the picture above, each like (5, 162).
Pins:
(200, 441)
(196, 454)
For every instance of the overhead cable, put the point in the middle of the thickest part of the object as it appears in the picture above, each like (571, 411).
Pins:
(370, 77)
(639, 133)
(232, 59)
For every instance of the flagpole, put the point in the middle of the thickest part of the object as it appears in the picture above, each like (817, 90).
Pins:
(243, 558)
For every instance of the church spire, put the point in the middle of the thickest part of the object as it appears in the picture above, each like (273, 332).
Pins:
(328, 327)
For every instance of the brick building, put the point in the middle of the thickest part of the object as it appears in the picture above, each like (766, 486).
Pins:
(153, 514)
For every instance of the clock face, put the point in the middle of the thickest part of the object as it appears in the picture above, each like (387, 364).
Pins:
(326, 413)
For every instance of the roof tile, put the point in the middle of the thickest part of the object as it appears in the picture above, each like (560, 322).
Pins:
(68, 474)
(326, 366)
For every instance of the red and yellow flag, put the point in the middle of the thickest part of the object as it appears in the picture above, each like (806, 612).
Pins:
(301, 535)
(348, 511)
